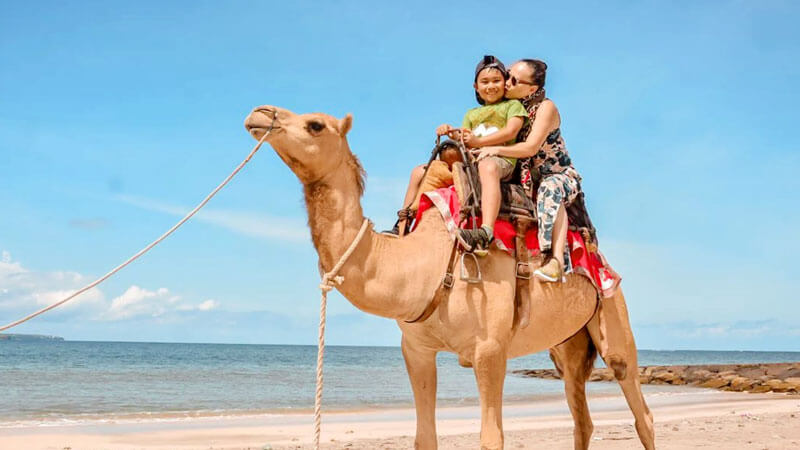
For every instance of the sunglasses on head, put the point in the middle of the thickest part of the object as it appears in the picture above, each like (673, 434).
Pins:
(514, 81)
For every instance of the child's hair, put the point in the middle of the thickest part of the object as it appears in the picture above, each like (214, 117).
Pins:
(488, 62)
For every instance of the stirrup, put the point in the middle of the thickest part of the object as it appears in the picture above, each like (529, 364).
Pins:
(465, 276)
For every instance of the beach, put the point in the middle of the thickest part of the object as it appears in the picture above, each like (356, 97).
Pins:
(697, 418)
(113, 395)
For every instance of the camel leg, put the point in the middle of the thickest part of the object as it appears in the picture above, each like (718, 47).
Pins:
(490, 372)
(421, 366)
(574, 360)
(621, 357)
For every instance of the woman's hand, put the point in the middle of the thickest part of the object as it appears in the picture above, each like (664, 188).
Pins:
(481, 153)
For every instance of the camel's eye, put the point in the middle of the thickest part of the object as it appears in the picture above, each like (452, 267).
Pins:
(315, 126)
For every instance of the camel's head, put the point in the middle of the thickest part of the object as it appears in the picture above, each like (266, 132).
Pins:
(312, 145)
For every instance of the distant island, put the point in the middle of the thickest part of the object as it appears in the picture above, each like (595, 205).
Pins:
(29, 337)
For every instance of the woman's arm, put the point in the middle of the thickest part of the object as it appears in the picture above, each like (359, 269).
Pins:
(507, 133)
(546, 121)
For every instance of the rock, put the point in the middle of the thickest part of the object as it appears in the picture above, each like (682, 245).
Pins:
(741, 383)
(760, 389)
(790, 372)
(596, 377)
(715, 383)
(793, 380)
(779, 385)
(700, 375)
(678, 382)
(663, 375)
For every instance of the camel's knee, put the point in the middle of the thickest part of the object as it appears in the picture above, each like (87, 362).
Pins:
(489, 350)
(618, 365)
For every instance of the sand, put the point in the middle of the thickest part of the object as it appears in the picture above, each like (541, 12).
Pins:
(696, 418)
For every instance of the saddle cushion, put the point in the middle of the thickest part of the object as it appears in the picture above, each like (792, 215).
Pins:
(591, 264)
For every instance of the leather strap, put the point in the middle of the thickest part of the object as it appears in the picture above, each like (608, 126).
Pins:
(523, 272)
(443, 290)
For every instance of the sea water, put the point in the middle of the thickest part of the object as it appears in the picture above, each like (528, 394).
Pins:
(57, 382)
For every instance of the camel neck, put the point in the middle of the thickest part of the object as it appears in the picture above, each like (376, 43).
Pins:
(334, 215)
(376, 275)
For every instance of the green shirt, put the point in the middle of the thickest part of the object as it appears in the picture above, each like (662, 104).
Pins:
(489, 119)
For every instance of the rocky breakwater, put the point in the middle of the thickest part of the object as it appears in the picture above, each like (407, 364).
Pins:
(756, 378)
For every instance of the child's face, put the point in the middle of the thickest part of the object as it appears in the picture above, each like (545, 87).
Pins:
(490, 85)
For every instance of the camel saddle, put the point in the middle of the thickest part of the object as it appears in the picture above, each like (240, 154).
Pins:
(517, 208)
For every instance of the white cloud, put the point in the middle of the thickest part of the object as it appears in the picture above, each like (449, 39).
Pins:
(23, 288)
(24, 291)
(247, 223)
(208, 305)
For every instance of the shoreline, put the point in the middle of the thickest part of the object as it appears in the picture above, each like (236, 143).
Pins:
(728, 413)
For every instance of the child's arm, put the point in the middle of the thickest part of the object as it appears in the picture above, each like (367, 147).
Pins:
(547, 120)
(507, 133)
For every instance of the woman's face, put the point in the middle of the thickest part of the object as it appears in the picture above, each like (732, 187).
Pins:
(522, 74)
(490, 85)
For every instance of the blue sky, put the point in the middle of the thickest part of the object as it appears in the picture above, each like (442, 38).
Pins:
(116, 118)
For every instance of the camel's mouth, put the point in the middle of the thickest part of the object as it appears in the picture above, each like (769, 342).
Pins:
(260, 121)
(258, 132)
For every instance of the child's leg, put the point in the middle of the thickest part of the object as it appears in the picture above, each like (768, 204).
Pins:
(489, 173)
(413, 185)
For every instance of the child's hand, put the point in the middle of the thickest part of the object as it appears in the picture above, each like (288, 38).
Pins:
(443, 129)
(470, 140)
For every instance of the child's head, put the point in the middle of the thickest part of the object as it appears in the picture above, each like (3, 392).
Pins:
(490, 80)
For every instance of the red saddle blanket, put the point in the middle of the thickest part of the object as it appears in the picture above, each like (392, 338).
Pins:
(592, 265)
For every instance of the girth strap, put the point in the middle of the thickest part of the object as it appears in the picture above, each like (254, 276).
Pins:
(443, 290)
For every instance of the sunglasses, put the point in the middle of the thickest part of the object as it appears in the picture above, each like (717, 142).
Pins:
(514, 81)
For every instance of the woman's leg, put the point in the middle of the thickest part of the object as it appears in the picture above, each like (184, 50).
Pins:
(560, 234)
(548, 199)
(554, 192)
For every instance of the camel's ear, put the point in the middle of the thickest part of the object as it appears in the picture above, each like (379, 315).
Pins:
(345, 124)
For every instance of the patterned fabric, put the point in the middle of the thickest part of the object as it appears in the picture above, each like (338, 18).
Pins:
(551, 158)
(592, 265)
(554, 190)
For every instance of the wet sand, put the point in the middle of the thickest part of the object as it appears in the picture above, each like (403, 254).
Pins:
(686, 418)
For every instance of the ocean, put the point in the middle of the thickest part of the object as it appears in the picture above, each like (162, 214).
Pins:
(58, 382)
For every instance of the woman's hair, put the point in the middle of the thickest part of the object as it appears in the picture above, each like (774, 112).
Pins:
(539, 69)
(488, 62)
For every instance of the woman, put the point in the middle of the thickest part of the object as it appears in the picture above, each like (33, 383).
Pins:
(541, 150)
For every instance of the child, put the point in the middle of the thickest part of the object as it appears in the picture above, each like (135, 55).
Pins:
(495, 123)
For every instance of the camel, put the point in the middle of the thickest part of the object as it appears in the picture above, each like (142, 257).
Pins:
(397, 278)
